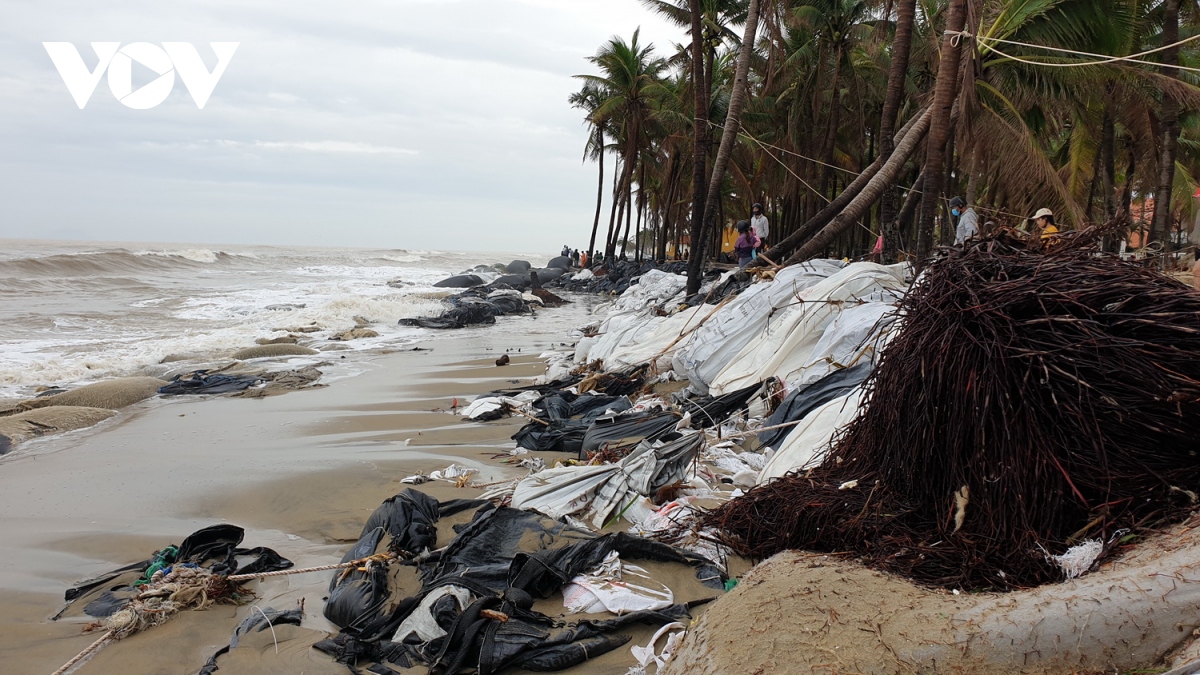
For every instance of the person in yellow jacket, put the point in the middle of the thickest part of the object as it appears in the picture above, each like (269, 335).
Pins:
(1044, 219)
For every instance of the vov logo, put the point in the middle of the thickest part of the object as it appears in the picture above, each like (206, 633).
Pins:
(171, 58)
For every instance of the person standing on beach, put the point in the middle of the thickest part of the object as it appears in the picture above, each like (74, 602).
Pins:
(762, 228)
(746, 244)
(968, 220)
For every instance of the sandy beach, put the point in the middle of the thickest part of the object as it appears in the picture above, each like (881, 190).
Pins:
(300, 472)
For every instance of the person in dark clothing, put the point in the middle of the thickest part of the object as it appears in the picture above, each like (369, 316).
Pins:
(746, 243)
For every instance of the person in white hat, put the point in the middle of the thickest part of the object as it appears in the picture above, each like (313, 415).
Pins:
(1044, 219)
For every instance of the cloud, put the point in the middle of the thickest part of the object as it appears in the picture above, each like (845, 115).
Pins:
(325, 147)
(358, 122)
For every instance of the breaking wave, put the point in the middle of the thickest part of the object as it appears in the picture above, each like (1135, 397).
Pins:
(115, 262)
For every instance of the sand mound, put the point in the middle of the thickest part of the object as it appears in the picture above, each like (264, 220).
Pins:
(804, 613)
(33, 423)
(111, 394)
(263, 351)
(354, 334)
(285, 340)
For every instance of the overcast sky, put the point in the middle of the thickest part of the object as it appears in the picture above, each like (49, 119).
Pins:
(405, 124)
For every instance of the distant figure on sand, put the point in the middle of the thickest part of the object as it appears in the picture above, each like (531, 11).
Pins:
(762, 228)
(746, 243)
(968, 220)
(575, 257)
(566, 252)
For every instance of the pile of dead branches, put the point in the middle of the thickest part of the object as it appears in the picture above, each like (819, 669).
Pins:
(1034, 398)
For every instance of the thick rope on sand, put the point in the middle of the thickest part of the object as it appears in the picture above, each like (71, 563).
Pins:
(188, 587)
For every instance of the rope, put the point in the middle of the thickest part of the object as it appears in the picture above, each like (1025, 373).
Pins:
(91, 649)
(1102, 59)
(165, 588)
(384, 558)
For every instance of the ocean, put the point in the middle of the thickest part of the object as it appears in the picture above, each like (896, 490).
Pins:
(78, 312)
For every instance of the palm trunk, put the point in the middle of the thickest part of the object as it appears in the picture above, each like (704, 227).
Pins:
(798, 236)
(904, 219)
(831, 122)
(1170, 129)
(599, 194)
(884, 179)
(906, 10)
(612, 216)
(629, 211)
(1108, 162)
(700, 128)
(737, 99)
(945, 89)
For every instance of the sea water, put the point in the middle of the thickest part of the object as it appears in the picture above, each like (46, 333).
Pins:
(79, 312)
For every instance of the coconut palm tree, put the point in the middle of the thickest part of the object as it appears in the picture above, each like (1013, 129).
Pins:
(629, 74)
(589, 99)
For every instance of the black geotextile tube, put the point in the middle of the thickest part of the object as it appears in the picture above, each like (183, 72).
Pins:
(570, 416)
(629, 429)
(800, 402)
(709, 411)
(199, 382)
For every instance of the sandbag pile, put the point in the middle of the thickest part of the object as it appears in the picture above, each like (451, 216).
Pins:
(1031, 401)
(616, 279)
(474, 307)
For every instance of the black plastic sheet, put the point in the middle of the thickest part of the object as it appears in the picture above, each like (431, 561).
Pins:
(504, 557)
(802, 401)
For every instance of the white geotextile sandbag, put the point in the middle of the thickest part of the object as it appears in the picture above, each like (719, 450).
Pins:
(585, 275)
(724, 334)
(617, 587)
(620, 320)
(626, 332)
(787, 342)
(653, 287)
(807, 444)
(584, 347)
(858, 334)
(642, 347)
(601, 493)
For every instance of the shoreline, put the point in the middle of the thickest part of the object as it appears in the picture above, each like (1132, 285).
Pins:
(300, 472)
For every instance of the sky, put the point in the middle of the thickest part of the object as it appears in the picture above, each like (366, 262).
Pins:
(426, 124)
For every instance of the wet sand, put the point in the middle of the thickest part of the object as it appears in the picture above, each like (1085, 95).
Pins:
(299, 472)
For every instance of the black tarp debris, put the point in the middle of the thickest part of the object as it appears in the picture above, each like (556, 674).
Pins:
(215, 547)
(569, 416)
(258, 620)
(481, 587)
(709, 411)
(201, 382)
(628, 430)
(800, 402)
